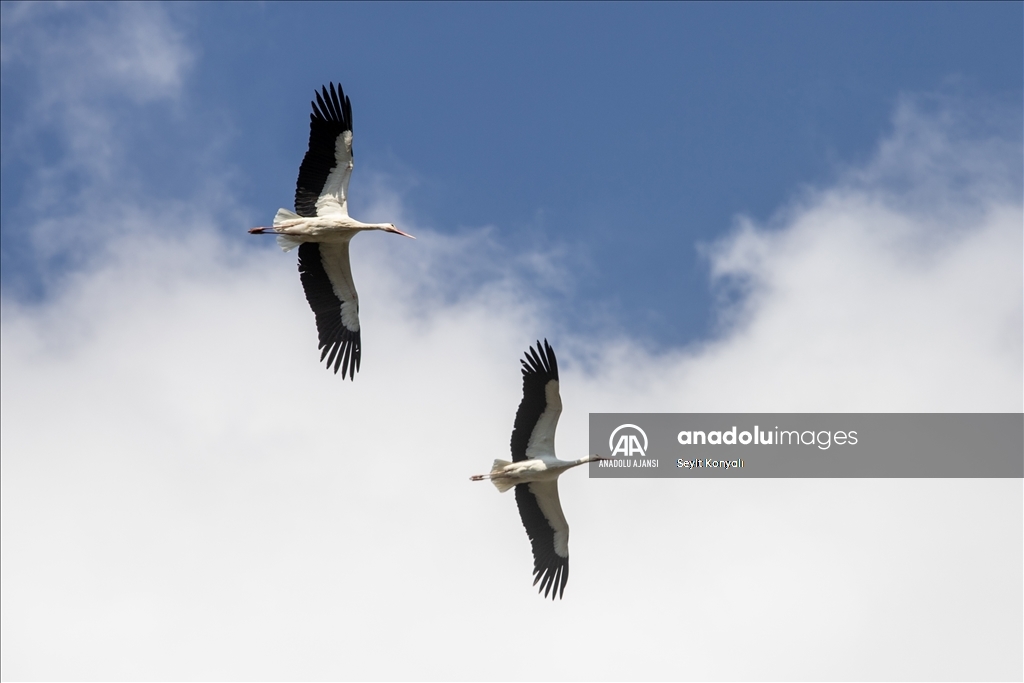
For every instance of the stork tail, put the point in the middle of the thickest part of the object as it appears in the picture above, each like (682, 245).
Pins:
(284, 215)
(286, 242)
(503, 484)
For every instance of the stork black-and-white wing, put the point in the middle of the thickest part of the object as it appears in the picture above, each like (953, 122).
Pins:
(537, 417)
(327, 281)
(322, 187)
(532, 436)
(545, 524)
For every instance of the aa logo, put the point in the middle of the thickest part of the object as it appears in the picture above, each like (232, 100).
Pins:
(627, 443)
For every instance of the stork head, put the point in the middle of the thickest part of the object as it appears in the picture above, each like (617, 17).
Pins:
(390, 227)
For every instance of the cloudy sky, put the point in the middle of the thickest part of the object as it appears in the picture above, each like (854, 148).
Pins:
(703, 207)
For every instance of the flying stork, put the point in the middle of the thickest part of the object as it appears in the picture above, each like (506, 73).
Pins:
(534, 470)
(321, 228)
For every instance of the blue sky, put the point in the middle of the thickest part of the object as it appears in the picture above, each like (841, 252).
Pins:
(619, 137)
(704, 207)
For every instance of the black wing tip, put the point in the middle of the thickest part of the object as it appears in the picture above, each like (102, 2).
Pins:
(541, 360)
(552, 579)
(344, 355)
(552, 582)
(332, 106)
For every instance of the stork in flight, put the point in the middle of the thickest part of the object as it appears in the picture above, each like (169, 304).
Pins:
(534, 470)
(321, 228)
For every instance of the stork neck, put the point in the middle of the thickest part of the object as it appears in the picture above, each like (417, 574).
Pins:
(359, 225)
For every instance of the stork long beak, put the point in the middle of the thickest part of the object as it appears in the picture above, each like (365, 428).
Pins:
(399, 232)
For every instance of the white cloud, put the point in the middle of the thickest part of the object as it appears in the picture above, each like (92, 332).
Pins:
(896, 290)
(126, 50)
(90, 77)
(187, 494)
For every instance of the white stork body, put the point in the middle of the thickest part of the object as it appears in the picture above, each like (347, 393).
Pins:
(534, 470)
(321, 228)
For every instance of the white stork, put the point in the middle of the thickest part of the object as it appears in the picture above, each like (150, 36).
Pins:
(321, 228)
(534, 470)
